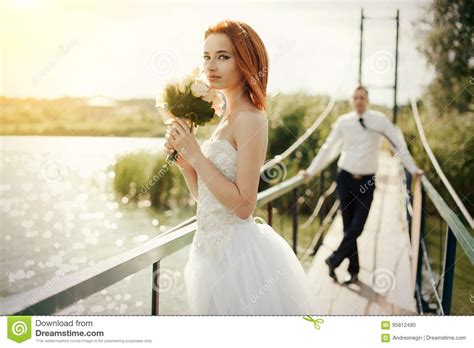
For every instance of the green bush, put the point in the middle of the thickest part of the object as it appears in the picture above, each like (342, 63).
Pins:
(147, 176)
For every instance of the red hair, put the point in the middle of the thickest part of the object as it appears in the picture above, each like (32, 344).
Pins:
(252, 58)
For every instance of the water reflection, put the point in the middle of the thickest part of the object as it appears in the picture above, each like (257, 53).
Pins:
(59, 214)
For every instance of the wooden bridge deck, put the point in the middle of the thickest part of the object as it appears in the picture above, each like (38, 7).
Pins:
(385, 284)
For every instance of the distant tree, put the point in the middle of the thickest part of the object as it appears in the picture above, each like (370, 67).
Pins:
(447, 42)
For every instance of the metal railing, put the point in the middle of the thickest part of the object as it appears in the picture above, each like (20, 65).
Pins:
(61, 293)
(56, 295)
(456, 233)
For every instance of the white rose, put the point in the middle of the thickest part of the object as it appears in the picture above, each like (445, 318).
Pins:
(195, 72)
(199, 89)
(218, 108)
(218, 99)
(159, 100)
(217, 103)
(210, 96)
(181, 86)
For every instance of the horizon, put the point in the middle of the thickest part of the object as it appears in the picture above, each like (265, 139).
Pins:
(119, 54)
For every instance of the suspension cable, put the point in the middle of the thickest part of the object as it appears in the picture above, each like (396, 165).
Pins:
(436, 165)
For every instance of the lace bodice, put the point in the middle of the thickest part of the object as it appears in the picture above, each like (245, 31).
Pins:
(213, 219)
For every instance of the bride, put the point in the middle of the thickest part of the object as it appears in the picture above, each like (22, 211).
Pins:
(235, 266)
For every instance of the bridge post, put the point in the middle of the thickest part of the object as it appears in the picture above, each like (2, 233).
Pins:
(395, 85)
(448, 270)
(417, 236)
(395, 106)
(322, 212)
(294, 209)
(410, 198)
(155, 293)
(270, 213)
(419, 270)
(360, 43)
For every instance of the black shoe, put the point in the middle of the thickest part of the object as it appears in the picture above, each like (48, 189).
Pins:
(332, 274)
(351, 279)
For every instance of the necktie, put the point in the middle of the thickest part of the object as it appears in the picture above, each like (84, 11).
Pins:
(361, 121)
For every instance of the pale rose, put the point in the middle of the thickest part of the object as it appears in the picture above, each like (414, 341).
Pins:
(218, 109)
(199, 89)
(195, 72)
(182, 84)
(218, 99)
(217, 103)
(210, 96)
(166, 115)
(159, 100)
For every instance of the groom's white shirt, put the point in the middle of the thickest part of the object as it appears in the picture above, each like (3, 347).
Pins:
(358, 146)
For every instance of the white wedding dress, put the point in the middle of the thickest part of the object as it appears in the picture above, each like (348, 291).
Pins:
(239, 266)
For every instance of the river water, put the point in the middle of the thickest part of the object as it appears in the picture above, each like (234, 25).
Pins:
(59, 214)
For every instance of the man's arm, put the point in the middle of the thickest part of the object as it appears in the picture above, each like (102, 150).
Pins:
(328, 152)
(398, 142)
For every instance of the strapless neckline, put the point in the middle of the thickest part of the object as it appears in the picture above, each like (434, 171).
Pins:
(221, 140)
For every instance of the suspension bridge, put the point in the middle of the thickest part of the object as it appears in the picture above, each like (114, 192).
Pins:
(395, 278)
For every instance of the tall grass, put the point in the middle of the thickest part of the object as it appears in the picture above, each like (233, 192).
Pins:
(147, 177)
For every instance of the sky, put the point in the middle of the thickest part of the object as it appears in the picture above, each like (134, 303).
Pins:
(130, 49)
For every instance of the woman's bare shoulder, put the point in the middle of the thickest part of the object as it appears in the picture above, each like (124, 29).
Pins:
(251, 118)
(251, 126)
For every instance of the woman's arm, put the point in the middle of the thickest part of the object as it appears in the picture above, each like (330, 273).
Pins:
(185, 168)
(190, 177)
(251, 132)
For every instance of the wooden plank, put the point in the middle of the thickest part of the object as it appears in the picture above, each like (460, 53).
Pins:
(416, 226)
(385, 284)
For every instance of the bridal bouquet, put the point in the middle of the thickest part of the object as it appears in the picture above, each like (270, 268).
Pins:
(190, 99)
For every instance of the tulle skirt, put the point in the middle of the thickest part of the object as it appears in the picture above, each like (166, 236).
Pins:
(257, 274)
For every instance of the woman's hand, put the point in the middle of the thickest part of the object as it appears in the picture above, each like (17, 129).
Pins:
(180, 161)
(184, 141)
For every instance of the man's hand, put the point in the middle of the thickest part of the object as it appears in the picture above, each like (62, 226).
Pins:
(419, 173)
(304, 173)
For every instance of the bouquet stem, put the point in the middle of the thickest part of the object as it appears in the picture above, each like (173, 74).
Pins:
(172, 157)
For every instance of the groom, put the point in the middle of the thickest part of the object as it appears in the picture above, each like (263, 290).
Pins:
(356, 136)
